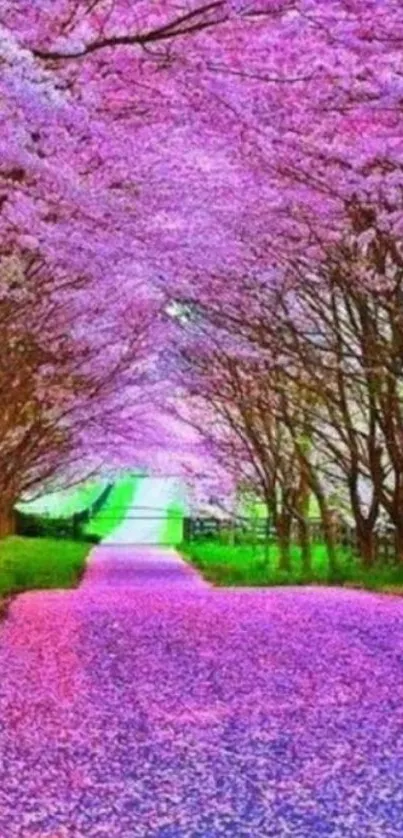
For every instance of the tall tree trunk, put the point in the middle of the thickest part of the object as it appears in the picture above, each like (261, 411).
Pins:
(364, 524)
(302, 509)
(313, 484)
(328, 531)
(399, 540)
(396, 513)
(272, 506)
(305, 544)
(284, 537)
(271, 511)
(7, 520)
(366, 544)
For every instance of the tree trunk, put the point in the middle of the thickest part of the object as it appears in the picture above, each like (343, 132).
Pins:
(399, 542)
(394, 507)
(366, 544)
(328, 529)
(302, 509)
(273, 507)
(364, 524)
(305, 544)
(7, 521)
(283, 535)
(328, 533)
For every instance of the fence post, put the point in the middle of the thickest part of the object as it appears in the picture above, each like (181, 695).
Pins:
(187, 529)
(76, 526)
(232, 533)
(267, 539)
(254, 534)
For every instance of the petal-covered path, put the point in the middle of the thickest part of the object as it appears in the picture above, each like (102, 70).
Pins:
(146, 703)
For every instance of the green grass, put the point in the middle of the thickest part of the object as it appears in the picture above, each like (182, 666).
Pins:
(172, 532)
(115, 508)
(258, 509)
(223, 564)
(37, 563)
(65, 503)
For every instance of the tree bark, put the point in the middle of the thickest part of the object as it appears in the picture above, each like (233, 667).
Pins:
(366, 543)
(284, 537)
(7, 521)
(328, 532)
(305, 544)
(399, 541)
(273, 508)
(302, 510)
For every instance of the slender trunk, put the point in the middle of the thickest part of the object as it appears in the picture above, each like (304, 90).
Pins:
(273, 508)
(7, 521)
(305, 544)
(302, 505)
(366, 536)
(328, 532)
(270, 501)
(396, 514)
(399, 541)
(284, 537)
(313, 482)
(366, 544)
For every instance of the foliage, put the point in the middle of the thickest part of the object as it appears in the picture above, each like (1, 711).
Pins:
(37, 526)
(221, 189)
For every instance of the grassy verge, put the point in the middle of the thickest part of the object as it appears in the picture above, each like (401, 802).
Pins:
(223, 564)
(36, 563)
(115, 508)
(172, 533)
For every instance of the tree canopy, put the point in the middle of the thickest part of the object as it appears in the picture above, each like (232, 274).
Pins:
(220, 155)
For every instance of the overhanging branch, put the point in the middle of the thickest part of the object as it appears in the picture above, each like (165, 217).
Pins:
(194, 21)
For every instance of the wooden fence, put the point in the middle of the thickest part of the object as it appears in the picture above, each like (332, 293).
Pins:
(261, 532)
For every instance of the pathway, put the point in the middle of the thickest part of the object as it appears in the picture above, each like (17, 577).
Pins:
(128, 566)
(147, 515)
(146, 704)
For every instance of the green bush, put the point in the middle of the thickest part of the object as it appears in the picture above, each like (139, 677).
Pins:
(35, 525)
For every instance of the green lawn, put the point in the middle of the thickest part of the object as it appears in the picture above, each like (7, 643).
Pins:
(114, 510)
(35, 563)
(223, 564)
(258, 509)
(173, 529)
(64, 504)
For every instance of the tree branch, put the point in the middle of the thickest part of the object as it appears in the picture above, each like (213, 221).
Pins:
(170, 30)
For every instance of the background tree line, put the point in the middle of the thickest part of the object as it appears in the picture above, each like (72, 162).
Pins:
(301, 375)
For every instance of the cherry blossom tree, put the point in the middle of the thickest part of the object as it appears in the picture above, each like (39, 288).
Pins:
(60, 386)
(213, 153)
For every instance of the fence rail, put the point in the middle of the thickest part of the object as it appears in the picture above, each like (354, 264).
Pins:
(261, 532)
(140, 518)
